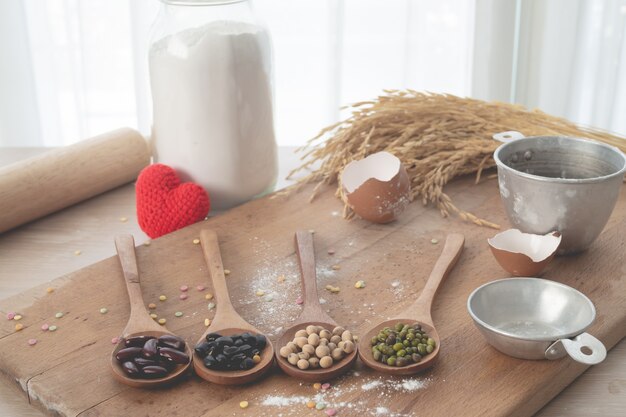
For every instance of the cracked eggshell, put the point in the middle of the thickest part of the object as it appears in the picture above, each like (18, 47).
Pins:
(377, 188)
(524, 254)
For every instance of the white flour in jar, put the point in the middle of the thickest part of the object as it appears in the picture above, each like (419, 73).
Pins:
(212, 107)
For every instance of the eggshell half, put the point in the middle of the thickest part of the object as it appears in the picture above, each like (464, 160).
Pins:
(377, 187)
(524, 254)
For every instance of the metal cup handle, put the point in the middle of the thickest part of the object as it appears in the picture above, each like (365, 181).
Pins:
(509, 136)
(583, 348)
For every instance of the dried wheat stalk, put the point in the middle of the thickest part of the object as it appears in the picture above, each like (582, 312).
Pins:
(437, 137)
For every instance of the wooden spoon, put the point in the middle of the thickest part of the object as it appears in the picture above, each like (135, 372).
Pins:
(227, 322)
(418, 312)
(312, 314)
(139, 322)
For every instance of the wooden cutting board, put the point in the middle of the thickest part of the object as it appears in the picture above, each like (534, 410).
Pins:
(66, 372)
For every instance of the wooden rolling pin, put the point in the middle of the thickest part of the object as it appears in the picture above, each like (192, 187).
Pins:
(38, 186)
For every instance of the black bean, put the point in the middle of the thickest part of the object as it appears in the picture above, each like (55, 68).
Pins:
(248, 339)
(261, 341)
(127, 353)
(202, 349)
(212, 336)
(137, 341)
(230, 350)
(173, 355)
(238, 342)
(150, 349)
(171, 341)
(220, 358)
(237, 358)
(224, 341)
(247, 363)
(130, 368)
(154, 371)
(210, 362)
(246, 349)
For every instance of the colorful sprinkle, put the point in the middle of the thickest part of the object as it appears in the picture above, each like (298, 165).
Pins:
(77, 252)
(336, 267)
(200, 288)
(154, 316)
(18, 327)
(123, 219)
(317, 386)
(162, 298)
(331, 412)
(227, 272)
(104, 310)
(207, 322)
(269, 297)
(58, 315)
(325, 386)
(45, 327)
(208, 296)
(332, 289)
(196, 241)
(151, 306)
(331, 251)
(162, 321)
(299, 300)
(434, 241)
(260, 293)
(147, 243)
(183, 296)
(178, 314)
(32, 342)
(320, 406)
(312, 231)
(359, 284)
(281, 278)
(49, 290)
(311, 404)
(52, 328)
(17, 317)
(115, 340)
(184, 288)
(211, 306)
(256, 358)
(243, 404)
(10, 315)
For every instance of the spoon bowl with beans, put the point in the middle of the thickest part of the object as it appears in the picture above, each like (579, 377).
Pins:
(415, 320)
(245, 354)
(313, 321)
(148, 355)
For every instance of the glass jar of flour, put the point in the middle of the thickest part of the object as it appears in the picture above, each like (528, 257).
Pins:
(211, 79)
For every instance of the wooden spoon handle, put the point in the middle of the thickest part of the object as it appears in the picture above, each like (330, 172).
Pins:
(225, 313)
(125, 246)
(420, 310)
(312, 310)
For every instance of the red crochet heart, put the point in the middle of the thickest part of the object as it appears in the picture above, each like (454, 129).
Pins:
(164, 204)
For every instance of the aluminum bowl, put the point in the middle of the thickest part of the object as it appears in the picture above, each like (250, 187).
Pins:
(550, 183)
(532, 318)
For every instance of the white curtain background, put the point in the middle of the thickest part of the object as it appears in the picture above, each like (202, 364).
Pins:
(71, 69)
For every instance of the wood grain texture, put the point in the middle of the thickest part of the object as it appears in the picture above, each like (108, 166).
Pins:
(91, 227)
(56, 179)
(257, 239)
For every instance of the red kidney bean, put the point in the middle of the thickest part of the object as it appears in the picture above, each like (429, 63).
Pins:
(130, 368)
(173, 355)
(154, 371)
(126, 354)
(137, 341)
(141, 362)
(150, 349)
(171, 341)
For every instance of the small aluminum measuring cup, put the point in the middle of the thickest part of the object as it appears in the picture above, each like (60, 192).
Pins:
(532, 318)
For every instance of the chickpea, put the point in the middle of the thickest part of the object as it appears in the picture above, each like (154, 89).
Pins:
(303, 364)
(292, 346)
(314, 339)
(314, 363)
(338, 330)
(300, 341)
(326, 362)
(331, 346)
(293, 358)
(325, 334)
(301, 333)
(347, 335)
(337, 354)
(310, 349)
(322, 351)
(335, 339)
(348, 346)
(285, 351)
(310, 329)
(304, 355)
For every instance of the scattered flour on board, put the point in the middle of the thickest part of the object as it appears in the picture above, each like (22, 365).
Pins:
(345, 395)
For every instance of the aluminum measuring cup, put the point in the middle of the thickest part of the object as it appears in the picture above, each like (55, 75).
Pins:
(533, 318)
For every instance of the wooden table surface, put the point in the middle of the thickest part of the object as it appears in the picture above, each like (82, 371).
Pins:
(45, 249)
